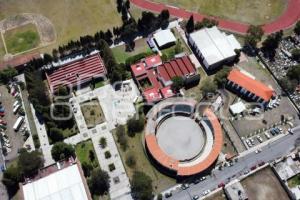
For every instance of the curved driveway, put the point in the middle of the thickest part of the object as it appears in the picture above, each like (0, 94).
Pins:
(286, 20)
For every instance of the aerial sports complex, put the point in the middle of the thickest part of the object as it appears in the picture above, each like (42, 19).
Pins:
(180, 140)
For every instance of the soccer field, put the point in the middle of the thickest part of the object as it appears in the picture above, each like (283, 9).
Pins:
(249, 11)
(71, 18)
(22, 39)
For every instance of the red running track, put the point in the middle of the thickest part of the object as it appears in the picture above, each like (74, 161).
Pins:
(286, 20)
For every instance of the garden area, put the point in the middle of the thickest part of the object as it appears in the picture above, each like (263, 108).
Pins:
(121, 54)
(86, 154)
(92, 113)
(21, 39)
(134, 158)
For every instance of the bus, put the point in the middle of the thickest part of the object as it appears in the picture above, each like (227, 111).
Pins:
(18, 123)
(16, 108)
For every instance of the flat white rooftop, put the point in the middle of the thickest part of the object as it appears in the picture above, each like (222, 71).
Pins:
(237, 108)
(164, 37)
(65, 184)
(215, 45)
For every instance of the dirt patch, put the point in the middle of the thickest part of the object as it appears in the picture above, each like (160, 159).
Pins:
(44, 25)
(264, 185)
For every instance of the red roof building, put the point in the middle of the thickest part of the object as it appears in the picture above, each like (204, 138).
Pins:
(249, 87)
(77, 72)
(154, 77)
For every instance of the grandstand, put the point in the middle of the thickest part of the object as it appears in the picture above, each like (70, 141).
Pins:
(76, 72)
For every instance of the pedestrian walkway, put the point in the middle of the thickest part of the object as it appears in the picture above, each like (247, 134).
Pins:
(285, 21)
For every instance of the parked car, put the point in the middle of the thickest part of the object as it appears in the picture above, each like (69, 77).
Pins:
(195, 197)
(261, 163)
(221, 185)
(185, 186)
(253, 167)
(206, 192)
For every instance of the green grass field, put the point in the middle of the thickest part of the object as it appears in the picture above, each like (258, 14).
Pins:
(22, 38)
(121, 55)
(295, 181)
(71, 19)
(135, 147)
(83, 150)
(248, 11)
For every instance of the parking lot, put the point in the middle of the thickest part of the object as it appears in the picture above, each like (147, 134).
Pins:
(15, 138)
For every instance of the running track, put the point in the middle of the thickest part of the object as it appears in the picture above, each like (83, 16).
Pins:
(286, 20)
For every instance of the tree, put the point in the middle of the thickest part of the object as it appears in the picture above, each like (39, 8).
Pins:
(86, 168)
(98, 182)
(296, 54)
(272, 42)
(221, 76)
(7, 74)
(297, 28)
(11, 178)
(56, 134)
(178, 83)
(30, 162)
(190, 26)
(288, 85)
(135, 125)
(141, 186)
(103, 142)
(130, 160)
(121, 137)
(127, 4)
(61, 150)
(91, 156)
(254, 35)
(294, 73)
(209, 86)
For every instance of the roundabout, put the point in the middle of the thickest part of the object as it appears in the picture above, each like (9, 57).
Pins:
(181, 141)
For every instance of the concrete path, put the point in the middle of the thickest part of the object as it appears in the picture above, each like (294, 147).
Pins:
(285, 21)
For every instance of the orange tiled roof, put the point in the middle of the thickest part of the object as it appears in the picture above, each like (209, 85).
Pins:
(250, 84)
(173, 164)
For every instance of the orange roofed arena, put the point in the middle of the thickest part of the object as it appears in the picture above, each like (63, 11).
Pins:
(175, 157)
(76, 72)
(154, 77)
(245, 85)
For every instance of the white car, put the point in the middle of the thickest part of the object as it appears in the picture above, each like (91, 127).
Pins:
(206, 192)
(257, 151)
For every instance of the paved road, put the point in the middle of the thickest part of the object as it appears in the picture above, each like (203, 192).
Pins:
(286, 20)
(270, 152)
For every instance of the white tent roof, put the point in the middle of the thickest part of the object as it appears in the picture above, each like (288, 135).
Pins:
(164, 37)
(237, 108)
(65, 184)
(214, 45)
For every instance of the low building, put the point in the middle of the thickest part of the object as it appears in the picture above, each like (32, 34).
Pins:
(237, 108)
(60, 181)
(235, 191)
(245, 85)
(154, 78)
(164, 38)
(213, 47)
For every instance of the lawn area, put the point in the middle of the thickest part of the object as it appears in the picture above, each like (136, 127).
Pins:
(195, 92)
(70, 131)
(92, 113)
(71, 19)
(253, 12)
(295, 181)
(22, 38)
(140, 46)
(135, 147)
(83, 153)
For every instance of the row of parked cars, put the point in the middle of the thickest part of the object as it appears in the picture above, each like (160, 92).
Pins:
(268, 134)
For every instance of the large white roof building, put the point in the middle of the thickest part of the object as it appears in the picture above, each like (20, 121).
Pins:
(213, 46)
(64, 184)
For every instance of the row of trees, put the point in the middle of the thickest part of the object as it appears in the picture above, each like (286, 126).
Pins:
(206, 22)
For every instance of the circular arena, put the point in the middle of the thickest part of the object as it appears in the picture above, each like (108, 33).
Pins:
(180, 140)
